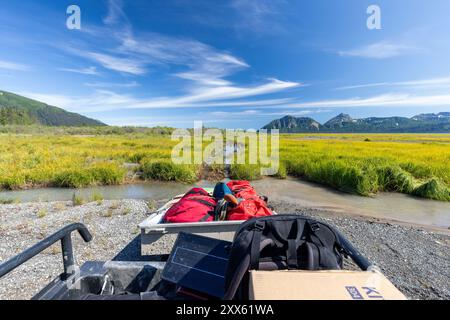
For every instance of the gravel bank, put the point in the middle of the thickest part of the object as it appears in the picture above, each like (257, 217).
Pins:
(112, 223)
(415, 260)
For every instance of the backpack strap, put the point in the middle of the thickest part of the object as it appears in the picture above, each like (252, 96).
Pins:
(291, 254)
(207, 215)
(206, 203)
(310, 257)
(255, 249)
(249, 262)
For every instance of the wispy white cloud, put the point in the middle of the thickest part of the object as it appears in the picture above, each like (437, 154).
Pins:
(131, 84)
(257, 15)
(205, 64)
(262, 113)
(104, 100)
(115, 12)
(58, 100)
(100, 100)
(367, 85)
(385, 100)
(206, 70)
(233, 114)
(424, 83)
(88, 71)
(379, 50)
(13, 66)
(203, 79)
(135, 54)
(124, 65)
(151, 121)
(203, 97)
(247, 103)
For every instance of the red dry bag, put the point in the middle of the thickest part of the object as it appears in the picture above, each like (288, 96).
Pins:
(252, 206)
(195, 206)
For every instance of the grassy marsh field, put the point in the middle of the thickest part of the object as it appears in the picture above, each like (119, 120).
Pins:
(364, 164)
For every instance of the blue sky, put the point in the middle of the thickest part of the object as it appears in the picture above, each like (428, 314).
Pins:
(234, 63)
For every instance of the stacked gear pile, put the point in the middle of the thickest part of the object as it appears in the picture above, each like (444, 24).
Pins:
(197, 205)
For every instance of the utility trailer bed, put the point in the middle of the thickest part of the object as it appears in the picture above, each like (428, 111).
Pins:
(118, 279)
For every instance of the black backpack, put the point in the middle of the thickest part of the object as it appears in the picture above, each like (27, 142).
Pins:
(280, 242)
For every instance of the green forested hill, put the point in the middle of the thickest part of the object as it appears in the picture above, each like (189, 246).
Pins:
(18, 110)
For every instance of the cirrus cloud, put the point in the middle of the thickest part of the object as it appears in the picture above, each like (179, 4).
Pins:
(379, 50)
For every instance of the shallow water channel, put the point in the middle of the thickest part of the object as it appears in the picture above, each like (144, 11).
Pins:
(385, 205)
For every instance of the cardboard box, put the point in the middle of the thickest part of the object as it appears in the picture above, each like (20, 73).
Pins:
(321, 285)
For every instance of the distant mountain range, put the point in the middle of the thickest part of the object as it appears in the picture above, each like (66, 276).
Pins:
(18, 110)
(343, 123)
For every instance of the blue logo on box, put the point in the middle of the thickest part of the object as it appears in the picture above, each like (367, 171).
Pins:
(354, 293)
(372, 293)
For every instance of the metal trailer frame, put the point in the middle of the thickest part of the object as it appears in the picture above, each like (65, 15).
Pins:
(99, 278)
(95, 278)
(153, 230)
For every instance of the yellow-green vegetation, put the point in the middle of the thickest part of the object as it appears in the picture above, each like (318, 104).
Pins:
(364, 164)
(107, 214)
(41, 213)
(151, 204)
(168, 171)
(97, 197)
(75, 161)
(245, 172)
(6, 201)
(77, 200)
(114, 205)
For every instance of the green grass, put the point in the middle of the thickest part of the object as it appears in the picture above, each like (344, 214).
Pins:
(41, 213)
(76, 161)
(77, 200)
(393, 178)
(73, 179)
(245, 172)
(82, 177)
(168, 171)
(433, 189)
(7, 201)
(391, 163)
(107, 214)
(97, 197)
(282, 172)
(337, 175)
(362, 164)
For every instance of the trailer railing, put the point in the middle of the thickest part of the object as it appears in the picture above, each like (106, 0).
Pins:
(63, 235)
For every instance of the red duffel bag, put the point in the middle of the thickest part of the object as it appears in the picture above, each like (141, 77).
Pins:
(242, 189)
(195, 206)
(252, 206)
(248, 209)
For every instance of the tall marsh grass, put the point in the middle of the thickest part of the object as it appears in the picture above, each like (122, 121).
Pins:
(363, 164)
(245, 172)
(433, 189)
(168, 171)
(399, 163)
